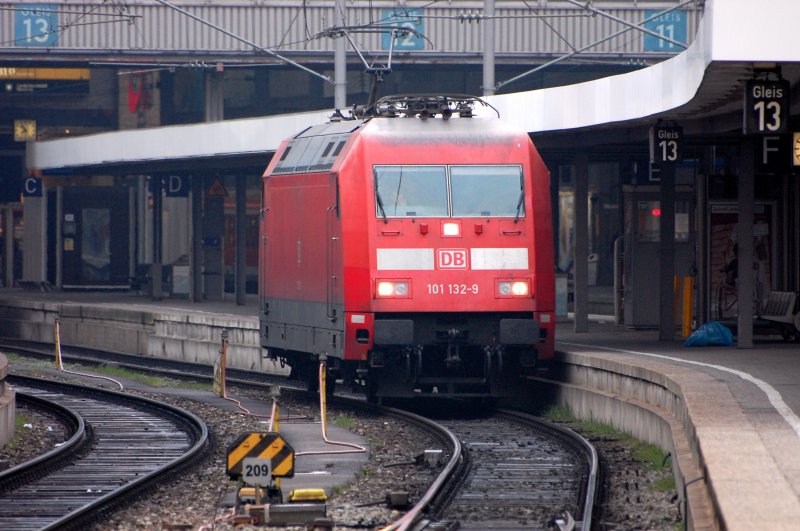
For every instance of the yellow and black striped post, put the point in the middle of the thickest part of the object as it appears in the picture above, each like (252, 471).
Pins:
(261, 445)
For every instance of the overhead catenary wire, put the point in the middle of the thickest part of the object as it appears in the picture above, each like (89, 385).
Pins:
(246, 41)
(593, 44)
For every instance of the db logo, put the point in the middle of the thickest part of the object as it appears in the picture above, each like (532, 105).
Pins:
(452, 258)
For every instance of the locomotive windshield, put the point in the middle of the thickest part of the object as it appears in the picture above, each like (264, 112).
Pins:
(411, 191)
(449, 191)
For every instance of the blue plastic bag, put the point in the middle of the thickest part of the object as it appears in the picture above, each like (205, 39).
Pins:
(710, 334)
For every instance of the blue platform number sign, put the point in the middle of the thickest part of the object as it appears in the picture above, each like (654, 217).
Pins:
(406, 18)
(36, 25)
(671, 25)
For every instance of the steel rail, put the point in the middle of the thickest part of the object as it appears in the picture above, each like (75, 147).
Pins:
(78, 436)
(588, 450)
(194, 428)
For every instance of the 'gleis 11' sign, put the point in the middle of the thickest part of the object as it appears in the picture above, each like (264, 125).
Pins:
(766, 107)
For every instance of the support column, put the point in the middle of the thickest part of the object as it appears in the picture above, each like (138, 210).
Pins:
(157, 292)
(8, 230)
(213, 236)
(339, 58)
(241, 235)
(666, 270)
(214, 103)
(744, 283)
(34, 243)
(701, 201)
(59, 243)
(196, 254)
(488, 48)
(580, 270)
(133, 222)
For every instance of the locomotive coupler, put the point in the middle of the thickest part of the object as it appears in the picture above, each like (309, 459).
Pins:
(496, 351)
(500, 349)
(413, 356)
(453, 357)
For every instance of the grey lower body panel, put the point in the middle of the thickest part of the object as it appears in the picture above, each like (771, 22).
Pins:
(302, 326)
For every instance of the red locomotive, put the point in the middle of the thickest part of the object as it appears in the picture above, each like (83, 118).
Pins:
(413, 246)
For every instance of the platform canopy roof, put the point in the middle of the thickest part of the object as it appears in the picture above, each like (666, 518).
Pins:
(702, 85)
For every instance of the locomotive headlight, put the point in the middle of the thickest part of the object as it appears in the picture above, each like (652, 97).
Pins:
(520, 289)
(513, 288)
(392, 288)
(451, 228)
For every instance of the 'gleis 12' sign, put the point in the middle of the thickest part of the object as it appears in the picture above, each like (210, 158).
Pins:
(766, 107)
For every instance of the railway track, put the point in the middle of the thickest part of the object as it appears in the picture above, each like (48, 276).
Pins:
(153, 365)
(508, 471)
(122, 445)
(520, 472)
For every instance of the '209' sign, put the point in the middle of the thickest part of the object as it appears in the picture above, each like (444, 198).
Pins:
(766, 107)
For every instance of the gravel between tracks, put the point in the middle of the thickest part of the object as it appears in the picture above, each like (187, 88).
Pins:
(190, 502)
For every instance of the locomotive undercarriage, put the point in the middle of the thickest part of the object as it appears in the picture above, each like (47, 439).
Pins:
(466, 355)
(419, 371)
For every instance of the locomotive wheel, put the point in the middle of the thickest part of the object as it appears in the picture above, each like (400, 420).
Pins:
(330, 384)
(372, 388)
(311, 377)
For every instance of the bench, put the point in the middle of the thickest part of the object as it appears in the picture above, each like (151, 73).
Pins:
(779, 306)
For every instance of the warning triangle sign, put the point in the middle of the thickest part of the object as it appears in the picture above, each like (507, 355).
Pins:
(217, 189)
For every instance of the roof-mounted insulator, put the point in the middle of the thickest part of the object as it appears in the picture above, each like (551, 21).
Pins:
(426, 106)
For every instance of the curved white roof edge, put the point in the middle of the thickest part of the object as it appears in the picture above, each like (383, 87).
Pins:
(227, 137)
(731, 30)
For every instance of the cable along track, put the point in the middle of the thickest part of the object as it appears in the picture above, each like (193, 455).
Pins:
(524, 473)
(129, 443)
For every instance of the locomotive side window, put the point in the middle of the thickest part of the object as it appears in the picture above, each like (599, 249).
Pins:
(449, 191)
(308, 154)
(292, 155)
(480, 191)
(411, 191)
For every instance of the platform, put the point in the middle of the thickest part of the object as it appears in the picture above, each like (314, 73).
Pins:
(737, 410)
(729, 416)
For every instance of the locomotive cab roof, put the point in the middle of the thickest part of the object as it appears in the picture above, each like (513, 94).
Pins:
(398, 119)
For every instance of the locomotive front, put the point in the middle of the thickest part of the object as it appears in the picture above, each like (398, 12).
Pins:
(447, 253)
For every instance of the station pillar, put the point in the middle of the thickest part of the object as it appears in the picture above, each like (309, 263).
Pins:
(34, 244)
(241, 237)
(581, 268)
(196, 252)
(213, 234)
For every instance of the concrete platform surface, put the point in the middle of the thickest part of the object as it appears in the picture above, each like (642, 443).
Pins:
(743, 406)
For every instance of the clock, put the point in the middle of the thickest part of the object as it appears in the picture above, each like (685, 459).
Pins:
(24, 130)
(796, 149)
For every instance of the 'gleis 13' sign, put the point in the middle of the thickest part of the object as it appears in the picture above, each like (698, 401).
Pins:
(766, 107)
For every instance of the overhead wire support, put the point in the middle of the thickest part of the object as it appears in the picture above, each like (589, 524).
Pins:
(588, 7)
(27, 7)
(246, 41)
(377, 71)
(593, 44)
